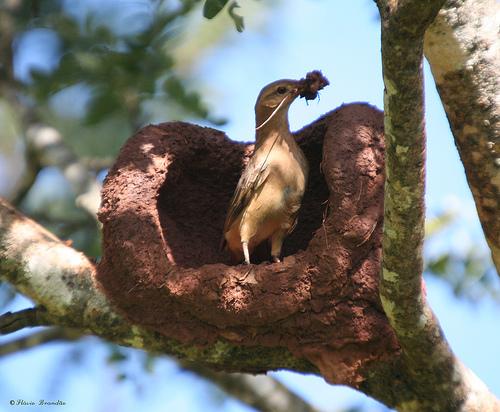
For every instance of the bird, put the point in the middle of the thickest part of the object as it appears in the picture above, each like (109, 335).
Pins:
(269, 192)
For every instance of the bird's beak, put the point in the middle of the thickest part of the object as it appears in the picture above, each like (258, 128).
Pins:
(295, 92)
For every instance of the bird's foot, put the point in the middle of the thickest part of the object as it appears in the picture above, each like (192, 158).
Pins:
(276, 259)
(248, 276)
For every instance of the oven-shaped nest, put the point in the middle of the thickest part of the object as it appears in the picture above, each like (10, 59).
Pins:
(163, 208)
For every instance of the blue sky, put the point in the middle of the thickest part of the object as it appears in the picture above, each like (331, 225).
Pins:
(341, 39)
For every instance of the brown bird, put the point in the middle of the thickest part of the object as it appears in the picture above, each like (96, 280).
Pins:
(269, 193)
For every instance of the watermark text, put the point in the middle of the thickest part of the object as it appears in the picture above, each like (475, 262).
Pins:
(41, 402)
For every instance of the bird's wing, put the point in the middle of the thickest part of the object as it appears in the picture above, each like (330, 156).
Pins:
(251, 180)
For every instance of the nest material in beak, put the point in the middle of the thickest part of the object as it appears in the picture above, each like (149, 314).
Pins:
(311, 84)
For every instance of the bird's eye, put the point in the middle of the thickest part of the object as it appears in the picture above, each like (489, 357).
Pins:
(281, 90)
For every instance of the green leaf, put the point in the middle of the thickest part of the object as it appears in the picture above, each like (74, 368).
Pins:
(237, 19)
(212, 8)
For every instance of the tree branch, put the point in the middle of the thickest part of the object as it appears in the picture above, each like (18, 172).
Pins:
(13, 321)
(39, 338)
(443, 380)
(402, 32)
(261, 392)
(462, 48)
(61, 280)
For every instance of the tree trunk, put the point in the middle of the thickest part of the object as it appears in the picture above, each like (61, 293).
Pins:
(463, 48)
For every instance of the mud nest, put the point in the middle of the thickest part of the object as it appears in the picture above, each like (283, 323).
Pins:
(163, 209)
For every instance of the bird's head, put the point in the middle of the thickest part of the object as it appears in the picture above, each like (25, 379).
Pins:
(274, 100)
(275, 93)
(271, 109)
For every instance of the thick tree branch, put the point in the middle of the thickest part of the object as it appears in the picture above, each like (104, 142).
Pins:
(260, 392)
(444, 382)
(68, 270)
(61, 280)
(463, 50)
(39, 338)
(402, 38)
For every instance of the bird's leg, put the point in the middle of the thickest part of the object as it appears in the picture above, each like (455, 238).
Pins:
(246, 252)
(276, 244)
(250, 271)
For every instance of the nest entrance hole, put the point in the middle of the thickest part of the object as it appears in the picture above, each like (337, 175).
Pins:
(194, 198)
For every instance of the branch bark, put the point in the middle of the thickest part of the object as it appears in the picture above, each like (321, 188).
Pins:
(463, 49)
(443, 382)
(263, 393)
(13, 321)
(61, 280)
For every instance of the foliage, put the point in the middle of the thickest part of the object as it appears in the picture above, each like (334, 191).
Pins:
(121, 68)
(212, 8)
(101, 80)
(469, 272)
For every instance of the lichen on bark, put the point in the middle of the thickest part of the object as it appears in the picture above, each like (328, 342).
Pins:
(463, 50)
